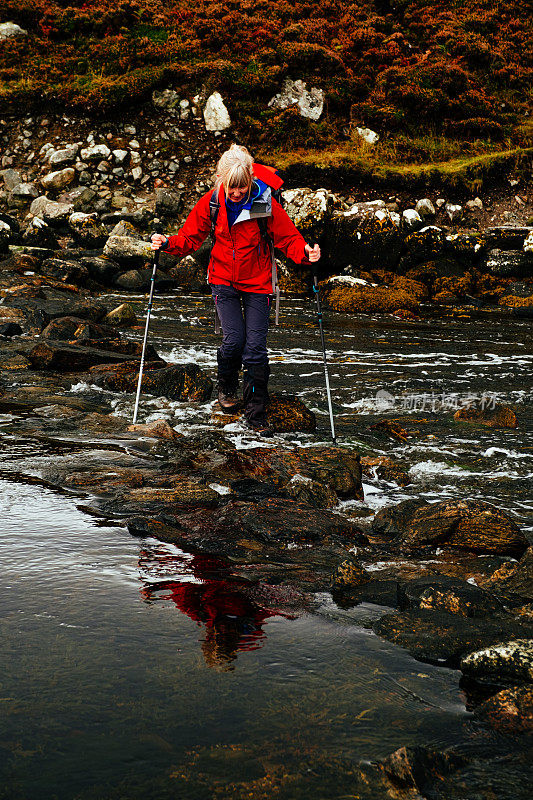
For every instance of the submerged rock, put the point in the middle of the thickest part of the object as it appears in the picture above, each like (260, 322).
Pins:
(175, 382)
(441, 593)
(497, 417)
(287, 414)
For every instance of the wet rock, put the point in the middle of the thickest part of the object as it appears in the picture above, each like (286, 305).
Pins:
(128, 251)
(507, 662)
(512, 301)
(69, 358)
(70, 272)
(514, 578)
(391, 428)
(67, 328)
(335, 467)
(185, 494)
(425, 245)
(159, 429)
(509, 263)
(133, 279)
(239, 527)
(312, 493)
(510, 711)
(497, 417)
(87, 229)
(175, 382)
(438, 637)
(344, 296)
(123, 316)
(310, 102)
(442, 593)
(349, 577)
(468, 247)
(386, 469)
(507, 237)
(287, 414)
(464, 524)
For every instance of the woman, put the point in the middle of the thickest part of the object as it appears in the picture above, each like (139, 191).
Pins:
(240, 273)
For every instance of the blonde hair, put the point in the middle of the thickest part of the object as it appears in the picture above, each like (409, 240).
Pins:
(235, 169)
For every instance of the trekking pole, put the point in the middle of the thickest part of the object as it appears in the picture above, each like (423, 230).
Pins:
(326, 373)
(150, 298)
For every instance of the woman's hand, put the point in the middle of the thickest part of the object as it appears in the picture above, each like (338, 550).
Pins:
(313, 253)
(158, 240)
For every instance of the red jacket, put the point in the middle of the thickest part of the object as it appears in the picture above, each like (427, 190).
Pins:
(240, 256)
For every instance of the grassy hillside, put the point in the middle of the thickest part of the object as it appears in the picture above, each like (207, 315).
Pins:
(441, 81)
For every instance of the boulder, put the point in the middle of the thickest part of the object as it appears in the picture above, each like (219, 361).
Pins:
(441, 638)
(66, 271)
(56, 214)
(174, 382)
(87, 230)
(364, 238)
(10, 329)
(342, 295)
(67, 328)
(96, 152)
(311, 493)
(508, 237)
(425, 208)
(168, 203)
(311, 210)
(59, 179)
(123, 316)
(454, 212)
(188, 274)
(287, 414)
(310, 102)
(70, 358)
(11, 178)
(133, 279)
(81, 198)
(349, 576)
(424, 245)
(465, 524)
(411, 219)
(25, 192)
(159, 429)
(9, 30)
(101, 270)
(216, 115)
(450, 595)
(509, 711)
(128, 251)
(505, 662)
(509, 263)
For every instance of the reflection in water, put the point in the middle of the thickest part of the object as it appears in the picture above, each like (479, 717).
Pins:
(232, 620)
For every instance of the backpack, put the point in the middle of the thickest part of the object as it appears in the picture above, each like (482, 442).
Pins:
(260, 210)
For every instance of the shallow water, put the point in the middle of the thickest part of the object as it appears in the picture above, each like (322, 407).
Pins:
(130, 669)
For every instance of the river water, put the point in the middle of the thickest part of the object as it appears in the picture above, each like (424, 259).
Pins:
(114, 682)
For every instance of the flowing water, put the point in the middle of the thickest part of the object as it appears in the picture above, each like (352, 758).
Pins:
(114, 680)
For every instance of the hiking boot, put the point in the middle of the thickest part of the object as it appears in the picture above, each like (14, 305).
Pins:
(255, 396)
(228, 402)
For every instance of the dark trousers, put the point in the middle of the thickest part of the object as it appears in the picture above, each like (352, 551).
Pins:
(244, 317)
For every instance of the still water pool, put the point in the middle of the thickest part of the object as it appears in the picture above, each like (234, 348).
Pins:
(115, 681)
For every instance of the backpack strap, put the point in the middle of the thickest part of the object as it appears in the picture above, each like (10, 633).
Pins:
(214, 208)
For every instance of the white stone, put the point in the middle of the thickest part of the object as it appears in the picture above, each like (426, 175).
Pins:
(512, 660)
(454, 211)
(120, 156)
(9, 29)
(368, 135)
(216, 115)
(135, 159)
(395, 217)
(25, 191)
(294, 93)
(38, 205)
(411, 218)
(425, 207)
(57, 212)
(95, 153)
(440, 202)
(474, 205)
(309, 207)
(63, 156)
(136, 173)
(528, 243)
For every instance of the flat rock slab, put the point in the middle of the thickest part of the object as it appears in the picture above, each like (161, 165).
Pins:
(70, 358)
(240, 528)
(442, 593)
(441, 638)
